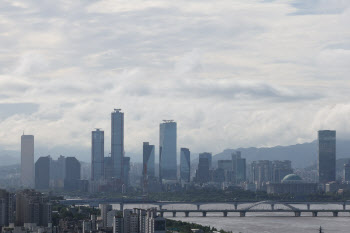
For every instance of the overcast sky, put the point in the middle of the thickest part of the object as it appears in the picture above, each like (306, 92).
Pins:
(231, 73)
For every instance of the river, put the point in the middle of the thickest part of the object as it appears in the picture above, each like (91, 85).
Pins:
(262, 222)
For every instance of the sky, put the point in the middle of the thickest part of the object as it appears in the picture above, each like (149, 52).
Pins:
(237, 73)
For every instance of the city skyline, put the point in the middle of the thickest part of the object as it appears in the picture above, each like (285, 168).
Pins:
(258, 78)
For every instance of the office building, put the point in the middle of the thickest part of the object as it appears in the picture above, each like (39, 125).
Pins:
(126, 170)
(202, 173)
(32, 207)
(208, 156)
(347, 172)
(261, 172)
(326, 156)
(148, 169)
(72, 177)
(225, 165)
(238, 167)
(117, 142)
(27, 161)
(42, 173)
(167, 150)
(280, 169)
(97, 155)
(185, 165)
(57, 172)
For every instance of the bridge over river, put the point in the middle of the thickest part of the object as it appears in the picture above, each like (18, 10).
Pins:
(240, 207)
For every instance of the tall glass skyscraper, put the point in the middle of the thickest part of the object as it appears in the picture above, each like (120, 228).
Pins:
(117, 142)
(97, 155)
(326, 156)
(148, 160)
(185, 165)
(27, 161)
(167, 150)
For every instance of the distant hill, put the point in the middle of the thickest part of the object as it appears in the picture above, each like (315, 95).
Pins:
(301, 155)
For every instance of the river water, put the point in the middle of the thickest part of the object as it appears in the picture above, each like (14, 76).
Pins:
(262, 222)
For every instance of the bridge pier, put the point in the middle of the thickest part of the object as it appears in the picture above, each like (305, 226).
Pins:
(273, 206)
(187, 213)
(242, 214)
(121, 206)
(314, 214)
(308, 206)
(297, 213)
(204, 214)
(344, 206)
(335, 214)
(236, 206)
(174, 214)
(225, 213)
(162, 214)
(160, 207)
(198, 207)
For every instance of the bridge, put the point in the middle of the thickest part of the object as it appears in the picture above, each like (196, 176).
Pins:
(258, 207)
(241, 207)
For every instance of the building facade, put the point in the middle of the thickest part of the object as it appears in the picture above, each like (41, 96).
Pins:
(167, 150)
(326, 156)
(117, 142)
(185, 165)
(72, 177)
(97, 155)
(27, 161)
(42, 173)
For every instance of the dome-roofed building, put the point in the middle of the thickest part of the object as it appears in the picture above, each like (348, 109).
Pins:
(292, 178)
(293, 184)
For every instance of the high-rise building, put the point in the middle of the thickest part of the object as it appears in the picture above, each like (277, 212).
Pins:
(32, 207)
(261, 172)
(42, 173)
(280, 169)
(185, 165)
(148, 160)
(57, 172)
(126, 170)
(72, 177)
(104, 208)
(27, 161)
(117, 142)
(202, 173)
(167, 150)
(97, 155)
(208, 156)
(326, 156)
(347, 172)
(6, 208)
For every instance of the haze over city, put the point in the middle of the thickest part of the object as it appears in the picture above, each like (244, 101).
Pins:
(228, 79)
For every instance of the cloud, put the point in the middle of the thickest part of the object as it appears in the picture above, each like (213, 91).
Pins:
(248, 73)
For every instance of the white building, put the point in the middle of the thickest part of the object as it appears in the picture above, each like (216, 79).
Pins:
(27, 161)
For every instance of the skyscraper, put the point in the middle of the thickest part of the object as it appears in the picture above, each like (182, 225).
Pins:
(117, 142)
(97, 155)
(208, 156)
(148, 160)
(72, 176)
(27, 161)
(42, 173)
(185, 164)
(167, 150)
(202, 174)
(326, 156)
